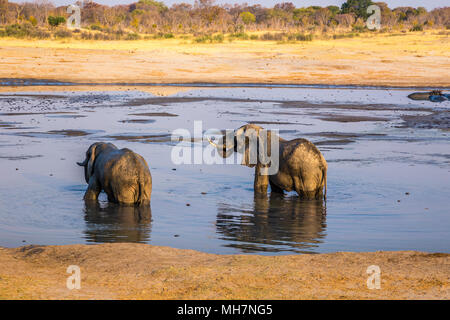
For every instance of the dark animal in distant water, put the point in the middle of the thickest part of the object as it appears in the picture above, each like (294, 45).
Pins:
(433, 96)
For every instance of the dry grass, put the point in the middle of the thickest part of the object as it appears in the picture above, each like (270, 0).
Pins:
(409, 60)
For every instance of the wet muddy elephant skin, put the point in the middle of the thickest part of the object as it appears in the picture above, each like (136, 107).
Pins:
(122, 174)
(302, 167)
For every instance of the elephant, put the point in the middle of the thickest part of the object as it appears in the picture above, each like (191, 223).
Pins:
(122, 174)
(433, 96)
(302, 167)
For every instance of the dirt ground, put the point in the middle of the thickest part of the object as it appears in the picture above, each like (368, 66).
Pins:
(414, 59)
(141, 271)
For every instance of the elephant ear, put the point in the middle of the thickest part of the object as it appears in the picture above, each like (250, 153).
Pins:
(90, 164)
(249, 138)
(264, 146)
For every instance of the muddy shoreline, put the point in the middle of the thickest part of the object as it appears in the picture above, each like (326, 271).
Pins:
(34, 82)
(140, 271)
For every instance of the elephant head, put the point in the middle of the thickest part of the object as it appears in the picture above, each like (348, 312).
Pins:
(93, 151)
(254, 143)
(257, 145)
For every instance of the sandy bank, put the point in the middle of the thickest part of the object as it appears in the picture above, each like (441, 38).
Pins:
(139, 271)
(402, 60)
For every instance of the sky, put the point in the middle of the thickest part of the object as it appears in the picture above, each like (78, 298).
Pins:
(429, 4)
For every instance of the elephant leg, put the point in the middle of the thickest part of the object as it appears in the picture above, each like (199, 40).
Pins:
(300, 189)
(305, 188)
(93, 189)
(274, 188)
(319, 193)
(261, 180)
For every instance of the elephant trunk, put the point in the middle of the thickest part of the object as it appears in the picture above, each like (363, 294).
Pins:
(225, 149)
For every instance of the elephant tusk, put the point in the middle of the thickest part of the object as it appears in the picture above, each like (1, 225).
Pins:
(212, 143)
(227, 147)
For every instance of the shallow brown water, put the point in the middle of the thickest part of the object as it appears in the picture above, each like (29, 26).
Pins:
(388, 178)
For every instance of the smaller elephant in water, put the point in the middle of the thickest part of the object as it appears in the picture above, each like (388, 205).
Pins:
(301, 166)
(121, 173)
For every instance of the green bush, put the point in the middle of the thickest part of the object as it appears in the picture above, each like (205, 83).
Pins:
(417, 27)
(272, 36)
(203, 39)
(25, 30)
(303, 37)
(247, 17)
(96, 27)
(359, 28)
(18, 30)
(218, 38)
(86, 36)
(161, 35)
(240, 35)
(209, 39)
(132, 36)
(99, 36)
(55, 21)
(40, 34)
(345, 35)
(63, 33)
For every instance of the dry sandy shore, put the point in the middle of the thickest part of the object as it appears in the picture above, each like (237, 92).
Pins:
(415, 59)
(140, 271)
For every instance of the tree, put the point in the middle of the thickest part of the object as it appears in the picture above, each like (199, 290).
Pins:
(285, 6)
(3, 10)
(334, 10)
(345, 19)
(358, 7)
(55, 21)
(247, 17)
(322, 16)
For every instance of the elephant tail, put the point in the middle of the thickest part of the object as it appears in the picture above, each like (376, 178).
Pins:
(324, 182)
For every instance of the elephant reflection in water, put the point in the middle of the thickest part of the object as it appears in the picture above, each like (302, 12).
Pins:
(116, 223)
(278, 223)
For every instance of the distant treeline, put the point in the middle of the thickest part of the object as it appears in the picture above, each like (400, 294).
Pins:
(41, 19)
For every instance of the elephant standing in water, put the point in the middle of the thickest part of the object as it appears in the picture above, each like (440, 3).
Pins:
(301, 165)
(122, 174)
